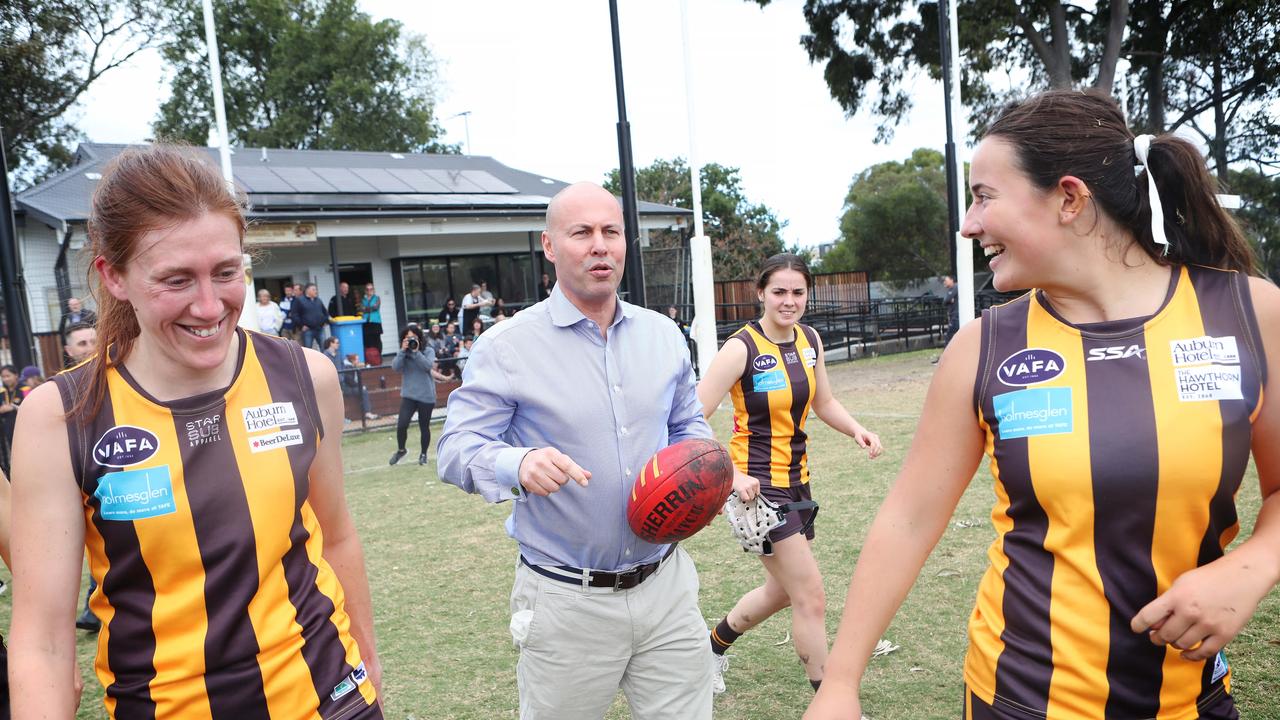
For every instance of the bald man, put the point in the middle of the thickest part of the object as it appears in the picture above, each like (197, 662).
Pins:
(559, 408)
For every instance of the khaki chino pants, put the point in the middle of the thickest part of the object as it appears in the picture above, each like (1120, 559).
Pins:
(579, 646)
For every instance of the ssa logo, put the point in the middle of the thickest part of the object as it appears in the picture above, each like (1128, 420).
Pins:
(125, 445)
(764, 362)
(1031, 366)
(1116, 352)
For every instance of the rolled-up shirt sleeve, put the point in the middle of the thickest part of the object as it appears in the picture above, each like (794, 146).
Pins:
(472, 453)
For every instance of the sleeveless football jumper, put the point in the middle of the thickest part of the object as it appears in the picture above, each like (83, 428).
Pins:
(214, 598)
(771, 404)
(1116, 450)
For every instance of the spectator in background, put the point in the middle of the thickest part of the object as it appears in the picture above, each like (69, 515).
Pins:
(472, 302)
(371, 309)
(29, 379)
(80, 342)
(342, 304)
(452, 339)
(487, 303)
(477, 327)
(10, 398)
(673, 312)
(310, 317)
(952, 302)
(348, 378)
(286, 304)
(544, 287)
(270, 316)
(435, 340)
(416, 362)
(464, 352)
(449, 314)
(76, 315)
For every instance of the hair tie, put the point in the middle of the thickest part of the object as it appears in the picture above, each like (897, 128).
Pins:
(1142, 148)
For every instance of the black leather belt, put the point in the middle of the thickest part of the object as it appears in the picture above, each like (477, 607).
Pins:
(624, 580)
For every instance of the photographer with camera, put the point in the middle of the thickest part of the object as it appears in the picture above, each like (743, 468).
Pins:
(416, 362)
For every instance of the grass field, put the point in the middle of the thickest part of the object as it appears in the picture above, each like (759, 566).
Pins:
(441, 567)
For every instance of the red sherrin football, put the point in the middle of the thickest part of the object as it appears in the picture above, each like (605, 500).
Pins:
(680, 490)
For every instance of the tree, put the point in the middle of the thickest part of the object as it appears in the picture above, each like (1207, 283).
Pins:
(742, 233)
(1213, 68)
(51, 51)
(894, 224)
(1259, 216)
(304, 74)
(872, 48)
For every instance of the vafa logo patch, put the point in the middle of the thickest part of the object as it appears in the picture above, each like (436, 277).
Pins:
(1031, 366)
(125, 445)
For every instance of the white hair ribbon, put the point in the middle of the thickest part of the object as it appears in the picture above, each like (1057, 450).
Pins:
(1141, 148)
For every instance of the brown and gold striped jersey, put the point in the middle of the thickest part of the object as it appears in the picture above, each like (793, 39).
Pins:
(770, 405)
(214, 597)
(1116, 450)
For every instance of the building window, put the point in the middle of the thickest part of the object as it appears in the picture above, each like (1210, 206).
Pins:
(427, 282)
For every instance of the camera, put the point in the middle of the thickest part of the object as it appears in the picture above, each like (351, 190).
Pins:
(413, 342)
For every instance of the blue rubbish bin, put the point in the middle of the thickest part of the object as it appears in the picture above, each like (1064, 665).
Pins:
(349, 330)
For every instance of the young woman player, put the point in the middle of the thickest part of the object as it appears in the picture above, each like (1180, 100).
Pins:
(774, 368)
(1118, 402)
(201, 467)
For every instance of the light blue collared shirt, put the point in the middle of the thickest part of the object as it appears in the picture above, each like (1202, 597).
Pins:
(545, 378)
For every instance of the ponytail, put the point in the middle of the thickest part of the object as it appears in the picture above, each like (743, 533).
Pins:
(1199, 230)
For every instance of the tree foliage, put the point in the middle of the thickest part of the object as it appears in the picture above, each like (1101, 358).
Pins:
(303, 74)
(1213, 68)
(894, 224)
(872, 49)
(51, 51)
(1259, 216)
(742, 233)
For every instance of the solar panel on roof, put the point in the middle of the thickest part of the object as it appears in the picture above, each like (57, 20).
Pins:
(487, 181)
(343, 180)
(303, 180)
(454, 180)
(419, 181)
(382, 180)
(261, 180)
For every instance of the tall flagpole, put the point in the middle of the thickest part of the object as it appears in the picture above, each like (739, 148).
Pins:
(703, 327)
(247, 315)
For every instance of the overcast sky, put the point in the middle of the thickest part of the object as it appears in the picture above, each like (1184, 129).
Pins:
(537, 78)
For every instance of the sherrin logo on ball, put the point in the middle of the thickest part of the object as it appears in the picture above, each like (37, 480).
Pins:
(125, 445)
(764, 362)
(680, 490)
(1031, 366)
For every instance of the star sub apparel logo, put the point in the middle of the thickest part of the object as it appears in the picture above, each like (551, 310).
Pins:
(204, 431)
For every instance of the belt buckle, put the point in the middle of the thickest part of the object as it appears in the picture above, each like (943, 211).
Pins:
(636, 572)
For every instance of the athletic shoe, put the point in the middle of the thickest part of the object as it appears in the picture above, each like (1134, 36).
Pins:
(422, 459)
(3, 587)
(88, 621)
(719, 663)
(370, 416)
(396, 458)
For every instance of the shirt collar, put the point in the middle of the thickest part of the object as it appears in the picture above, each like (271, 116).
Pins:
(564, 313)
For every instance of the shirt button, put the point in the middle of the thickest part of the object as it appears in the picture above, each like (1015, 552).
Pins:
(617, 388)
(628, 471)
(622, 431)
(626, 552)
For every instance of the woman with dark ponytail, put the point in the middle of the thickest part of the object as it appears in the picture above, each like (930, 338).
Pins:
(200, 466)
(1118, 402)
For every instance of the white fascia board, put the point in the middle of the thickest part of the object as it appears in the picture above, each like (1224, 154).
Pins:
(421, 226)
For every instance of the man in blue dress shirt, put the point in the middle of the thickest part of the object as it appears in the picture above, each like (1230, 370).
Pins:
(559, 408)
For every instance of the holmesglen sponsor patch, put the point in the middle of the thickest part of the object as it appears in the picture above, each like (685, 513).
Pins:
(769, 381)
(1031, 366)
(135, 494)
(1034, 411)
